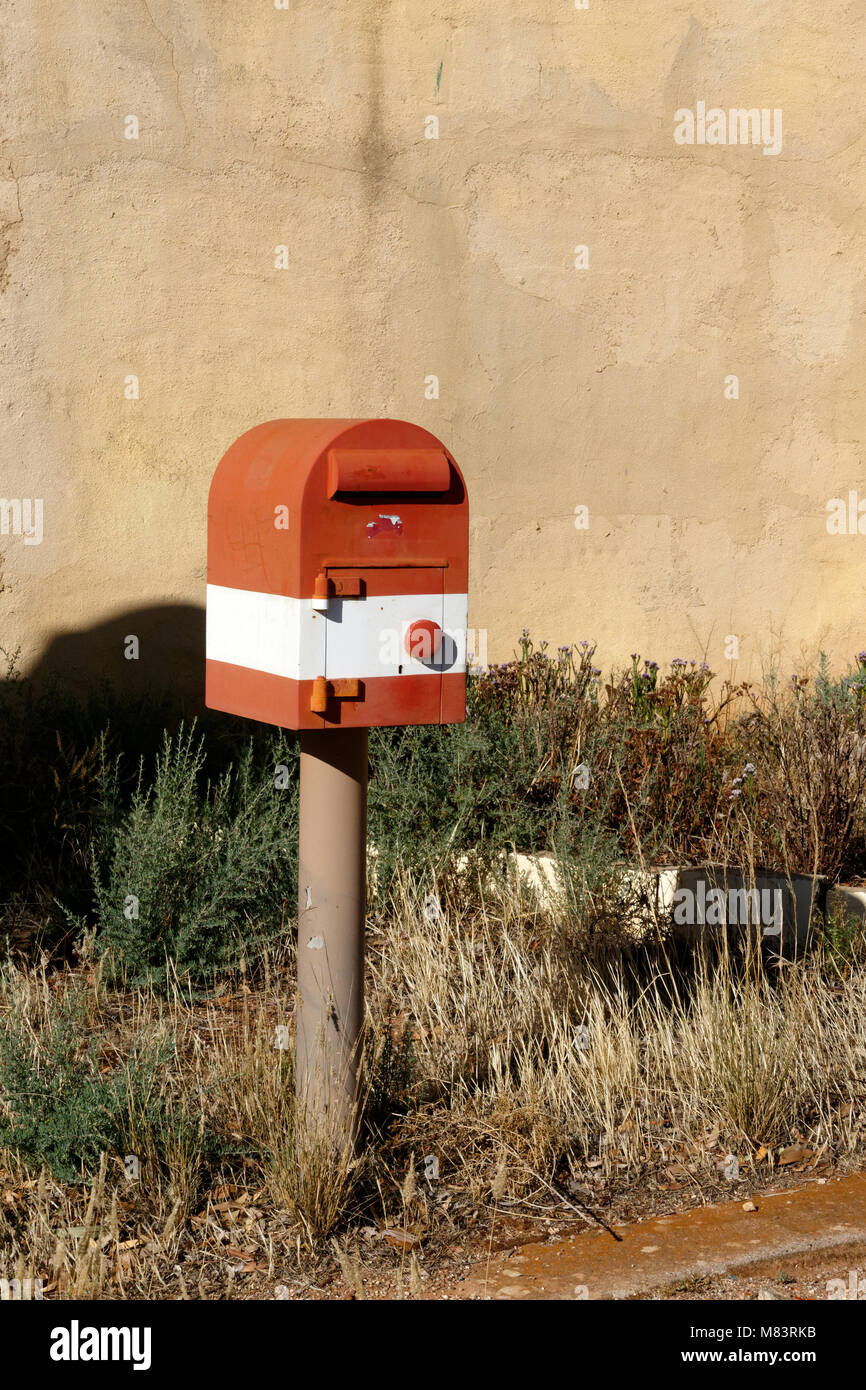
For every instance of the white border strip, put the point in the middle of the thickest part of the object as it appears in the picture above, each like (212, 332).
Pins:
(360, 638)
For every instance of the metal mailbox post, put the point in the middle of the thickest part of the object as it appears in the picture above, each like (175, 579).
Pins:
(336, 602)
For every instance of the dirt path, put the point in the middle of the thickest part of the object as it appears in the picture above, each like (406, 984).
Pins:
(776, 1245)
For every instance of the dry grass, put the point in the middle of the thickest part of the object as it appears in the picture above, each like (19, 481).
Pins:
(530, 1068)
(528, 1044)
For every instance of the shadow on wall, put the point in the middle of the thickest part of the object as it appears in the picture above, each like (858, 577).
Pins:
(161, 648)
(122, 686)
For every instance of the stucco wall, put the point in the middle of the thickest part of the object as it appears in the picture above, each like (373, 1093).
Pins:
(411, 257)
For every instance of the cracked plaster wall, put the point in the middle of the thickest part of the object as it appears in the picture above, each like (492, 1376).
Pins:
(454, 257)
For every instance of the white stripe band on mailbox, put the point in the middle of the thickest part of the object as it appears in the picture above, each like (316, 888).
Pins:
(356, 638)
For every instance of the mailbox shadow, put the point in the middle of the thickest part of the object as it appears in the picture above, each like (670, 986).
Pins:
(85, 683)
(155, 649)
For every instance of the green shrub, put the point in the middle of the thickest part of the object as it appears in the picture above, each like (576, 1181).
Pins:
(842, 938)
(53, 748)
(59, 1107)
(196, 875)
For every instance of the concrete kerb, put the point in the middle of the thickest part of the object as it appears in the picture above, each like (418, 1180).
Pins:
(706, 1241)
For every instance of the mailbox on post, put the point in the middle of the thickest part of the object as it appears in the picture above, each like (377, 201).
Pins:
(337, 569)
(336, 602)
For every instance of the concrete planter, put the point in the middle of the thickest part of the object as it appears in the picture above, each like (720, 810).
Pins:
(539, 875)
(698, 900)
(780, 909)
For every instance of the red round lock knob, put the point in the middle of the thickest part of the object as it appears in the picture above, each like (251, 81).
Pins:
(423, 640)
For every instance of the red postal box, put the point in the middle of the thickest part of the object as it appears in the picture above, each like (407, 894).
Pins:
(337, 559)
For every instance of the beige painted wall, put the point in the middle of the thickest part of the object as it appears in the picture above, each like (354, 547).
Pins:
(411, 256)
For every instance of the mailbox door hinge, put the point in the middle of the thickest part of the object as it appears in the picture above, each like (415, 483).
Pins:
(325, 690)
(329, 586)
